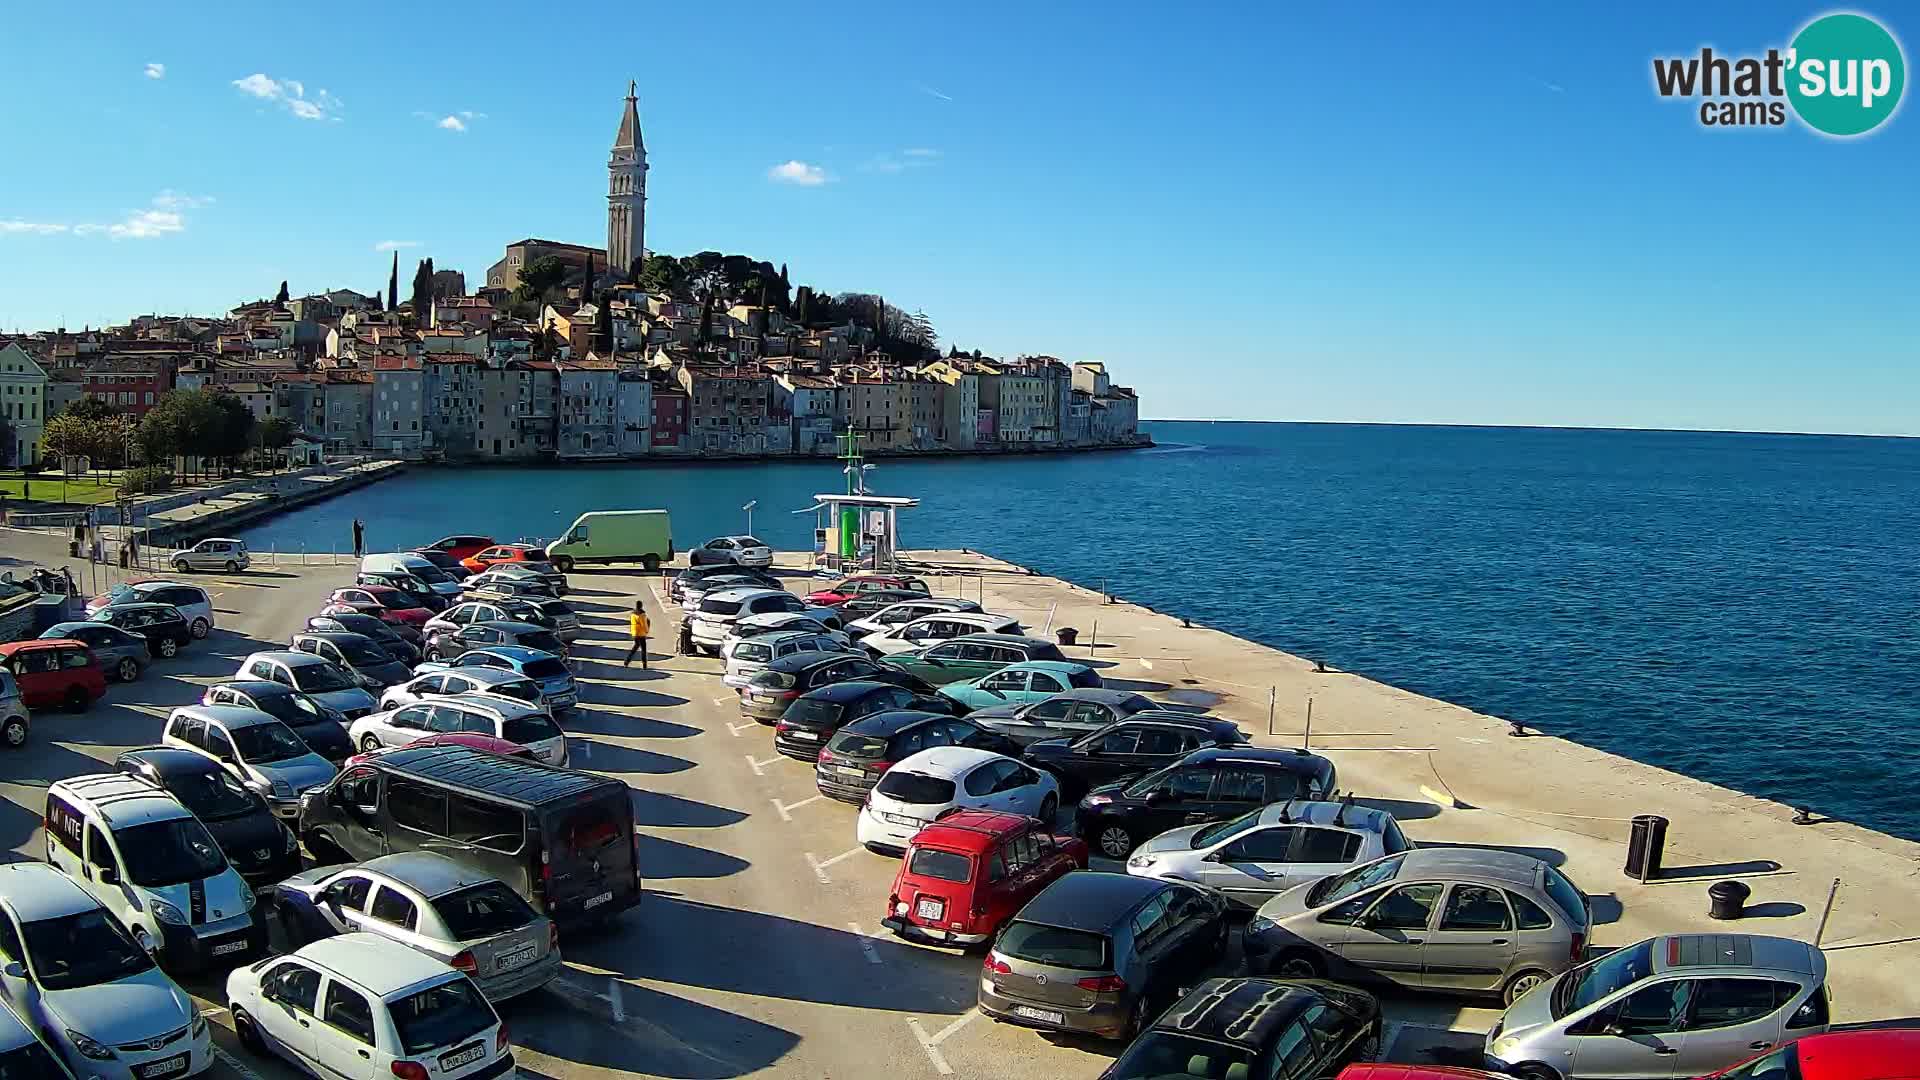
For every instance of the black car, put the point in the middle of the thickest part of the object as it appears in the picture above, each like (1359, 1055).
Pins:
(418, 591)
(863, 604)
(321, 728)
(769, 693)
(389, 636)
(452, 642)
(164, 627)
(1139, 744)
(1210, 784)
(856, 757)
(355, 654)
(811, 721)
(447, 564)
(259, 847)
(1256, 1027)
(692, 574)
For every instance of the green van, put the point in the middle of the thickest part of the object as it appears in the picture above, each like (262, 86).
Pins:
(606, 536)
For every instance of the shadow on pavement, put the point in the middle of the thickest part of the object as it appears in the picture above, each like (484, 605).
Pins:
(1550, 856)
(1403, 810)
(593, 722)
(661, 1035)
(664, 860)
(661, 810)
(604, 757)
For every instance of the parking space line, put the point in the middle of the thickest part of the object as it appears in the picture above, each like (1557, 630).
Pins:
(1388, 1037)
(723, 700)
(736, 729)
(759, 767)
(933, 1051)
(235, 1064)
(866, 943)
(785, 810)
(820, 867)
(616, 1001)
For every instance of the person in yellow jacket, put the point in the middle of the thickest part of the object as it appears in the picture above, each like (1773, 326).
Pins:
(638, 627)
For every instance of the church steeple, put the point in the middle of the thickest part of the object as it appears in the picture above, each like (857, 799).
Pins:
(627, 191)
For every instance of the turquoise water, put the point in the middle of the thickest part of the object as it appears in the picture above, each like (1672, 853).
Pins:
(1740, 608)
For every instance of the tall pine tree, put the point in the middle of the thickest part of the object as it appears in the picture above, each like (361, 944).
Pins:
(393, 285)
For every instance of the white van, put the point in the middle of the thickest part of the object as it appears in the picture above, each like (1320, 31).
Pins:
(154, 866)
(415, 566)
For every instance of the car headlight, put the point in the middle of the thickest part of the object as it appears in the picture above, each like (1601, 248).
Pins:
(282, 789)
(246, 899)
(1502, 1048)
(168, 914)
(1260, 924)
(1142, 862)
(199, 1024)
(1096, 800)
(88, 1047)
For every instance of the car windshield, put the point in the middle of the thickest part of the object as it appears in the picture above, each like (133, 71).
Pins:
(518, 690)
(719, 607)
(444, 1015)
(430, 574)
(1616, 970)
(30, 1062)
(1164, 1055)
(1139, 788)
(162, 853)
(295, 709)
(544, 640)
(81, 950)
(943, 865)
(544, 669)
(815, 711)
(853, 744)
(321, 678)
(263, 744)
(532, 727)
(752, 652)
(1226, 830)
(483, 910)
(363, 653)
(913, 787)
(1341, 886)
(213, 796)
(1082, 950)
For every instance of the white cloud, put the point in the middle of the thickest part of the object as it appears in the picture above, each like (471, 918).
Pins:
(395, 245)
(15, 226)
(259, 86)
(798, 172)
(451, 123)
(468, 114)
(920, 152)
(291, 93)
(165, 216)
(170, 199)
(917, 157)
(156, 71)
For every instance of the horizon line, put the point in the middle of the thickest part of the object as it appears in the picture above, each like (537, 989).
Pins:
(1535, 427)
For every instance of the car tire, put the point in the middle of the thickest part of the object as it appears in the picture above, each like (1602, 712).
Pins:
(1533, 1070)
(1136, 1020)
(127, 670)
(76, 699)
(232, 567)
(14, 732)
(1297, 964)
(246, 1031)
(1368, 1048)
(650, 563)
(200, 628)
(563, 563)
(1522, 981)
(369, 743)
(181, 566)
(1113, 841)
(1049, 809)
(168, 647)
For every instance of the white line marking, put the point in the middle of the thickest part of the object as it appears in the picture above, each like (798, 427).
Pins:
(1148, 664)
(759, 766)
(1388, 1038)
(933, 1052)
(1436, 797)
(235, 1064)
(786, 809)
(820, 867)
(955, 1026)
(866, 943)
(724, 700)
(616, 1003)
(736, 729)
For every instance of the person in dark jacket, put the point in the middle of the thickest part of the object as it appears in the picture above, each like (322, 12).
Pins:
(359, 537)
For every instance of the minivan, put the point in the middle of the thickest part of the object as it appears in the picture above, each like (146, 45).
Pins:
(605, 536)
(563, 839)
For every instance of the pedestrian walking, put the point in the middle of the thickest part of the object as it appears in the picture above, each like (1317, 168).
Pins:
(638, 627)
(359, 537)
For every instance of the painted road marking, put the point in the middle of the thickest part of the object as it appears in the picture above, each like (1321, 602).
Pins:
(723, 700)
(760, 766)
(1388, 1038)
(866, 943)
(786, 809)
(616, 1001)
(235, 1064)
(820, 867)
(1437, 798)
(1145, 663)
(931, 1044)
(736, 729)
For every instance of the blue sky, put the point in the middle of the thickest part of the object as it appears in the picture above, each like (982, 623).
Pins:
(1379, 212)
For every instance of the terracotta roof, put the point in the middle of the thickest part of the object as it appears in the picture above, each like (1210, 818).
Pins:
(396, 363)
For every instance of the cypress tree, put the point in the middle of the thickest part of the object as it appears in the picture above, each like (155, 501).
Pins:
(393, 285)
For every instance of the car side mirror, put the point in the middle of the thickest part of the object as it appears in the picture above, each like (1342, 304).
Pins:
(1215, 856)
(1157, 798)
(107, 875)
(15, 970)
(1612, 1027)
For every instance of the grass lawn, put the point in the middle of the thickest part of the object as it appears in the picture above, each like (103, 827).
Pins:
(52, 487)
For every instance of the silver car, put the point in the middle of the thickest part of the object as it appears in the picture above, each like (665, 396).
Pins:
(503, 718)
(1265, 852)
(214, 553)
(739, 550)
(1459, 920)
(15, 721)
(1682, 1005)
(747, 657)
(433, 904)
(122, 654)
(445, 683)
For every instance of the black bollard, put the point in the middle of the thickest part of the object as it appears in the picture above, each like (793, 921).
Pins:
(1729, 899)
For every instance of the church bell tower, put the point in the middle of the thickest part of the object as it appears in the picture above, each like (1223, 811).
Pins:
(627, 192)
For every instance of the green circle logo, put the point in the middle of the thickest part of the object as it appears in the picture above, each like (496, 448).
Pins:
(1846, 74)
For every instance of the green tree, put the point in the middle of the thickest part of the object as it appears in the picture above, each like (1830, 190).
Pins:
(393, 285)
(88, 408)
(68, 436)
(540, 277)
(422, 296)
(7, 448)
(664, 274)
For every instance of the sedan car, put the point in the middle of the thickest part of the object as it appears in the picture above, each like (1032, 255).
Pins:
(548, 671)
(1256, 1027)
(458, 546)
(1128, 748)
(929, 784)
(696, 575)
(528, 570)
(853, 761)
(356, 654)
(940, 626)
(501, 587)
(481, 560)
(470, 739)
(1268, 850)
(493, 609)
(736, 550)
(1065, 715)
(254, 841)
(483, 714)
(768, 695)
(501, 682)
(971, 656)
(122, 654)
(773, 622)
(1018, 684)
(848, 588)
(322, 728)
(1210, 784)
(164, 626)
(860, 605)
(432, 904)
(381, 602)
(398, 641)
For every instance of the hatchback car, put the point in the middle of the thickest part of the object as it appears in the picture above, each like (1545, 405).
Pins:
(550, 673)
(214, 553)
(355, 654)
(192, 600)
(430, 903)
(734, 550)
(1869, 1054)
(506, 588)
(401, 643)
(853, 761)
(1453, 920)
(459, 545)
(1132, 747)
(860, 605)
(1256, 1027)
(694, 577)
(719, 610)
(774, 622)
(447, 644)
(1102, 954)
(529, 570)
(963, 877)
(484, 714)
(1210, 784)
(418, 591)
(164, 626)
(323, 729)
(1069, 714)
(380, 601)
(933, 783)
(747, 657)
(1018, 684)
(940, 626)
(1679, 1005)
(54, 672)
(494, 555)
(491, 609)
(121, 654)
(252, 838)
(768, 695)
(445, 562)
(812, 720)
(479, 680)
(1268, 850)
(971, 656)
(260, 751)
(904, 611)
(22, 1053)
(319, 680)
(847, 588)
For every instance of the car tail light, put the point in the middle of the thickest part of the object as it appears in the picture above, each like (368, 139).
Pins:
(500, 1040)
(1103, 984)
(781, 727)
(826, 757)
(879, 766)
(997, 965)
(1579, 950)
(464, 961)
(409, 1070)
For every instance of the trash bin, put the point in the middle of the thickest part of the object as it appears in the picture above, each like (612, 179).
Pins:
(1645, 846)
(1729, 899)
(1067, 635)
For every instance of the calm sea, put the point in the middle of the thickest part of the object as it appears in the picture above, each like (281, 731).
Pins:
(1740, 608)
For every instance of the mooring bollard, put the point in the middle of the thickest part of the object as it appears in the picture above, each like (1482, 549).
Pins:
(1728, 899)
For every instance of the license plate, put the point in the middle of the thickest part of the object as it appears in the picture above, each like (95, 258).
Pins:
(930, 909)
(520, 957)
(230, 947)
(458, 1058)
(596, 901)
(805, 735)
(1041, 1015)
(848, 770)
(175, 1064)
(902, 819)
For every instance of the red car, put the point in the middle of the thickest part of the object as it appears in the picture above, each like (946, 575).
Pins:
(1868, 1054)
(1368, 1071)
(457, 738)
(55, 671)
(502, 553)
(383, 602)
(865, 583)
(460, 547)
(967, 874)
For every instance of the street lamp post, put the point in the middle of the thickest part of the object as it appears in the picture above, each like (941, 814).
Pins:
(751, 503)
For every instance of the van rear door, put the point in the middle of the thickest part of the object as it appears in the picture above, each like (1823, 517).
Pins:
(590, 868)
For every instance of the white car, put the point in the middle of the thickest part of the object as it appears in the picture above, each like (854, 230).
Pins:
(95, 993)
(192, 600)
(383, 1012)
(773, 622)
(738, 550)
(915, 792)
(905, 612)
(217, 553)
(500, 682)
(747, 657)
(718, 612)
(1264, 852)
(483, 714)
(931, 629)
(256, 748)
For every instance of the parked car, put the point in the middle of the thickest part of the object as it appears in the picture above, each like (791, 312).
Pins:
(1270, 849)
(562, 839)
(417, 591)
(501, 587)
(383, 1008)
(155, 868)
(720, 609)
(526, 570)
(860, 605)
(22, 1052)
(1018, 684)
(941, 626)
(553, 614)
(853, 760)
(847, 588)
(811, 721)
(56, 672)
(1128, 748)
(931, 783)
(695, 591)
(606, 536)
(494, 609)
(319, 680)
(122, 654)
(383, 603)
(734, 550)
(502, 718)
(1210, 784)
(767, 696)
(355, 654)
(901, 612)
(15, 721)
(460, 546)
(192, 600)
(446, 561)
(241, 822)
(164, 626)
(215, 553)
(321, 727)
(500, 682)
(260, 751)
(1678, 1005)
(1866, 1054)
(963, 877)
(430, 903)
(400, 642)
(694, 575)
(416, 566)
(471, 739)
(1460, 920)
(753, 626)
(75, 974)
(1256, 1027)
(548, 671)
(747, 657)
(449, 643)
(971, 656)
(1383, 1071)
(1069, 714)
(1101, 954)
(480, 561)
